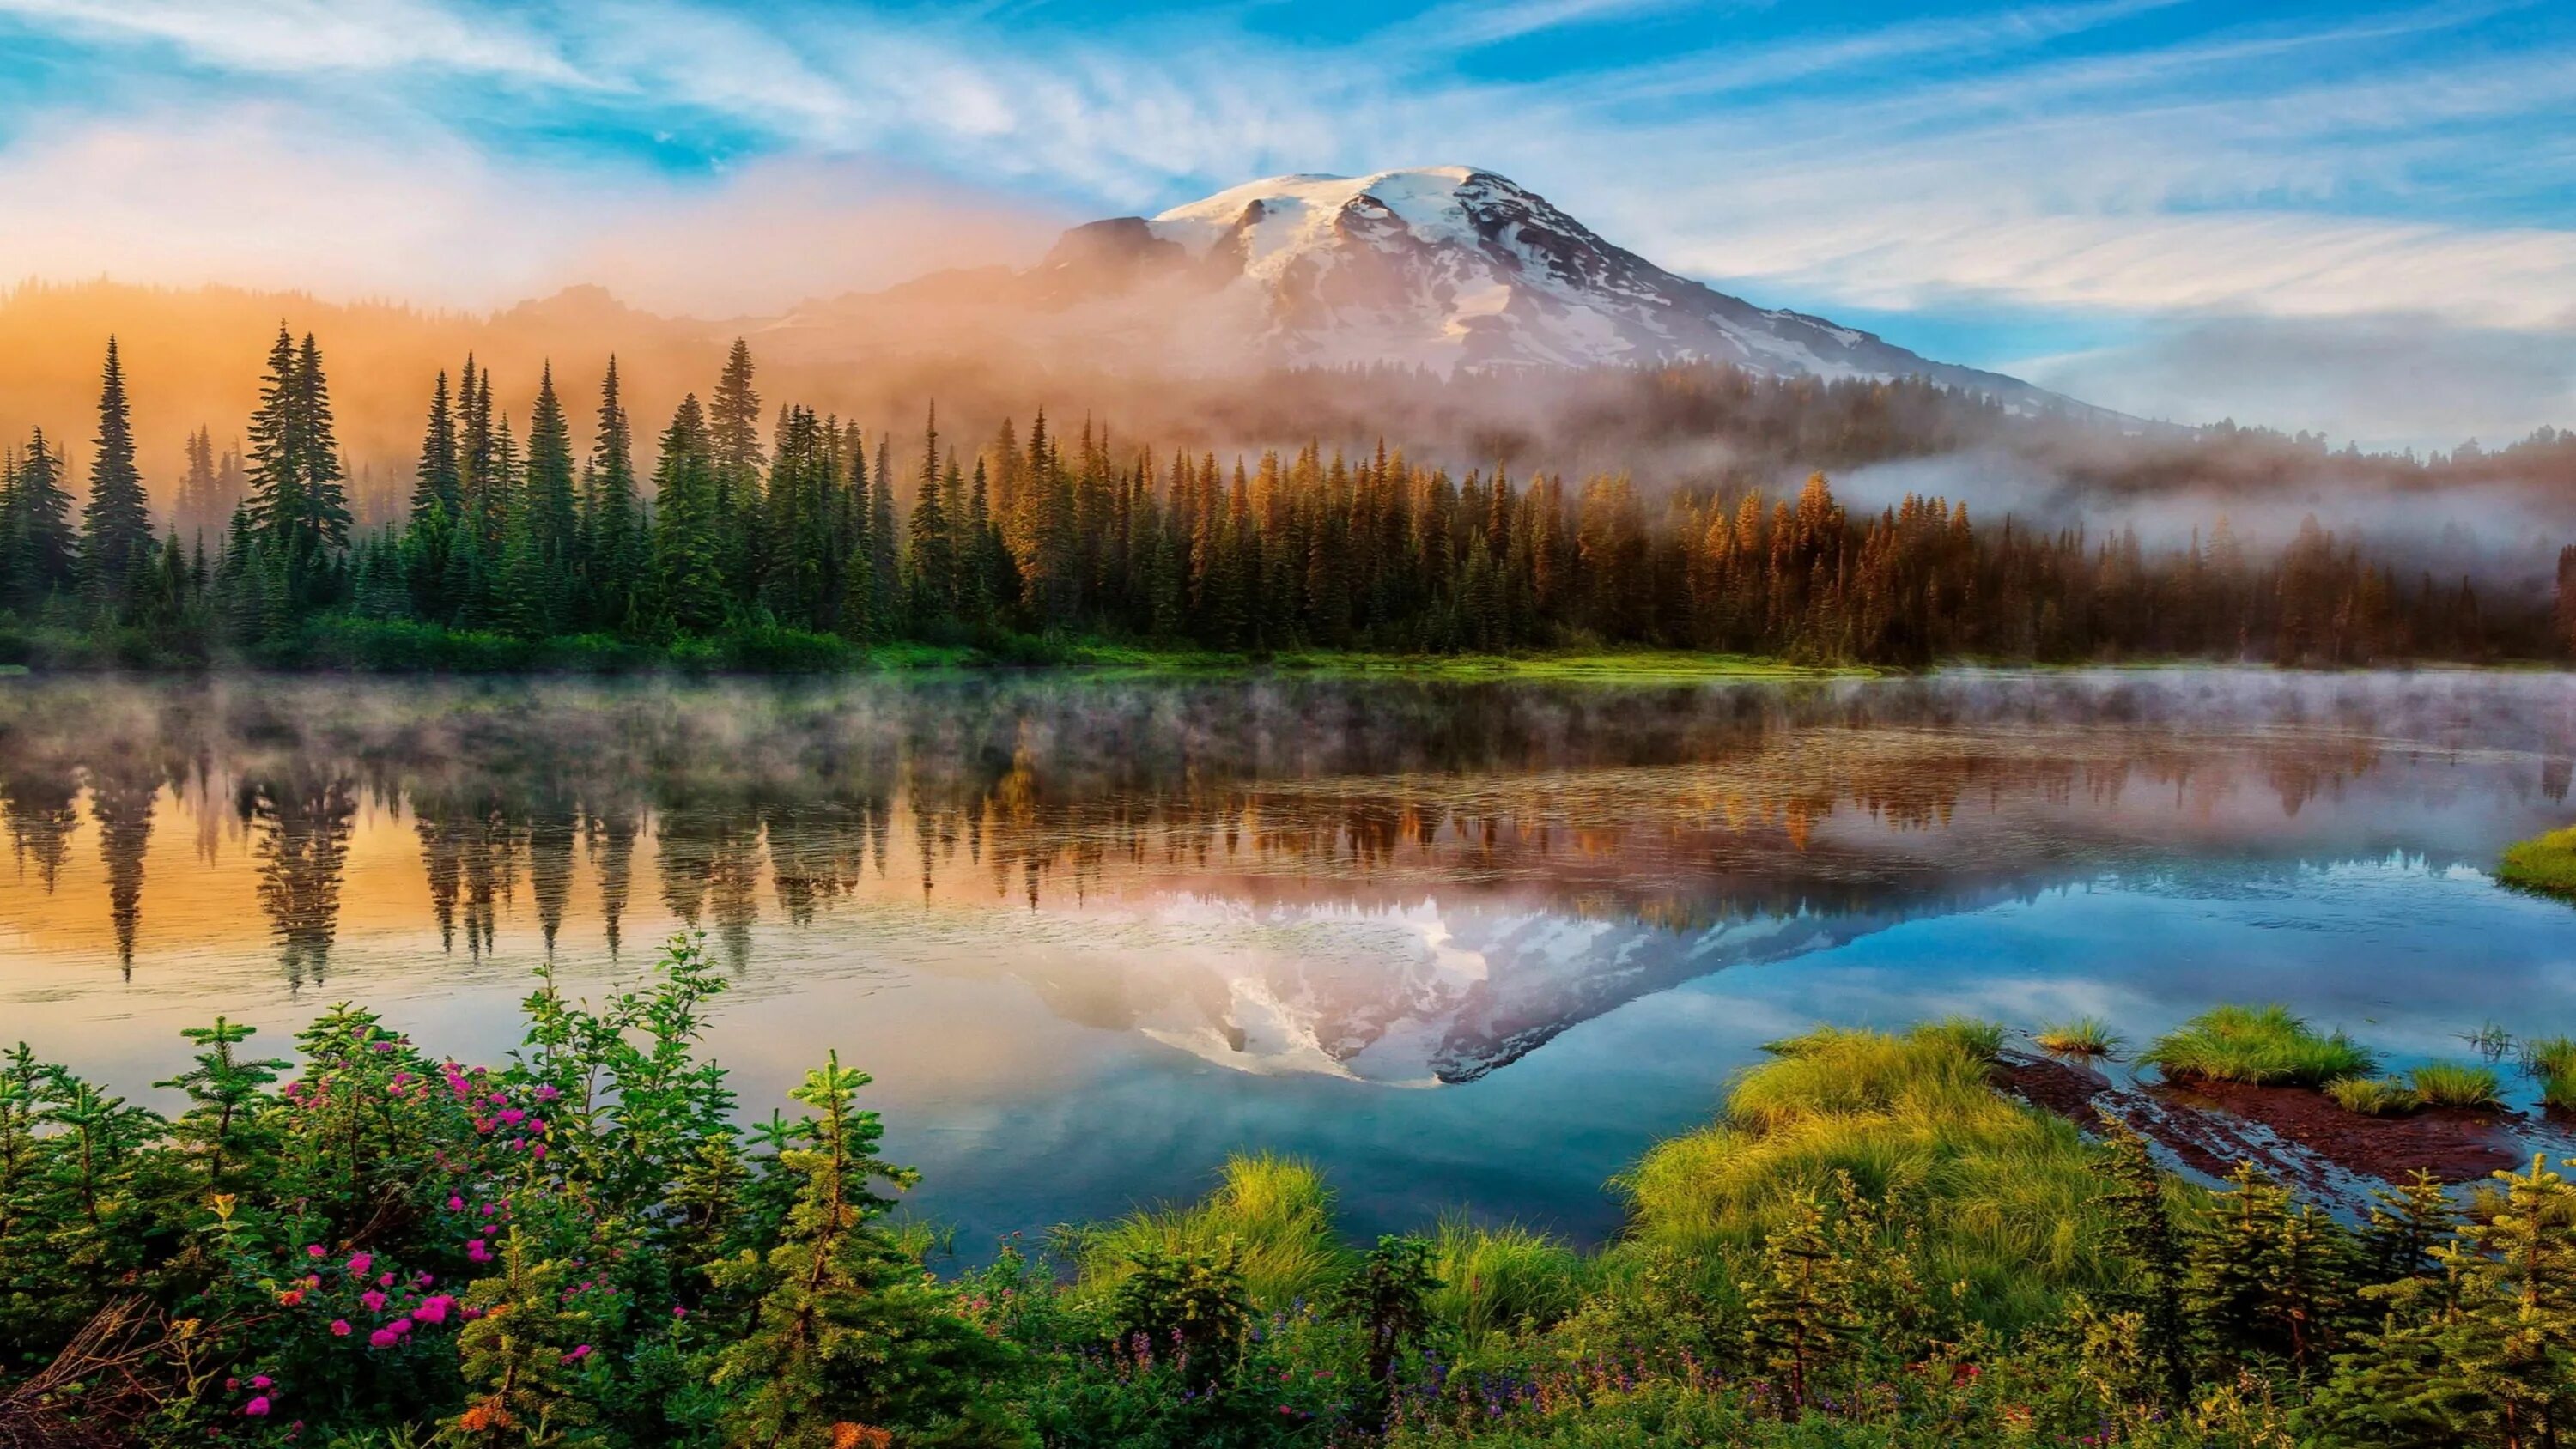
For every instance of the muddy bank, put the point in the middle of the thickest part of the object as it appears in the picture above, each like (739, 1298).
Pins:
(2298, 1137)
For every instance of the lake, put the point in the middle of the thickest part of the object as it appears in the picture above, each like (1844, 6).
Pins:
(1471, 947)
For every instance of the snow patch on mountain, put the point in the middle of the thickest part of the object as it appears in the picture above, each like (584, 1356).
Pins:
(1454, 266)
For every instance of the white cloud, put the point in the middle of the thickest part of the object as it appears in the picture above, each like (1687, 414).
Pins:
(2297, 169)
(258, 196)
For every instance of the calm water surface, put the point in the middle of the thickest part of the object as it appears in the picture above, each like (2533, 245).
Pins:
(1471, 947)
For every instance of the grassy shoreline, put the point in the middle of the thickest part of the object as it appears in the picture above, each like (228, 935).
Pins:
(1869, 1246)
(342, 645)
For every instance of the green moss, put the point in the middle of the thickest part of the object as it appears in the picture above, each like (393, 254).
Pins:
(2262, 1046)
(2545, 864)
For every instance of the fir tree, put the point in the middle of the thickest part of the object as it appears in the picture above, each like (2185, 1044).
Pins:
(687, 562)
(116, 522)
(847, 1332)
(38, 536)
(615, 528)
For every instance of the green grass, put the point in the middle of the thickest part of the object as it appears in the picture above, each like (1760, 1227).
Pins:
(2374, 1096)
(2009, 1192)
(2545, 864)
(1492, 1280)
(1277, 1211)
(2551, 1061)
(2450, 1084)
(2085, 1036)
(2258, 1045)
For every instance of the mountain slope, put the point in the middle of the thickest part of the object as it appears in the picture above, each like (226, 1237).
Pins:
(1449, 267)
(1442, 267)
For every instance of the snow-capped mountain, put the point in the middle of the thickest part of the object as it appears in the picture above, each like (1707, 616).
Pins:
(1449, 267)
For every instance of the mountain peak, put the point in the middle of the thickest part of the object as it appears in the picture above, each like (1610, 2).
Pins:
(1457, 266)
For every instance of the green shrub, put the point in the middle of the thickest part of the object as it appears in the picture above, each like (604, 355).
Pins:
(2257, 1045)
(2374, 1096)
(2450, 1084)
(2085, 1036)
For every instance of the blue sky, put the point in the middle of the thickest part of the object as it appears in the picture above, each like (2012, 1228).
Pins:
(2359, 218)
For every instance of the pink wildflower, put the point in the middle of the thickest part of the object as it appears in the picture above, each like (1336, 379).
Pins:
(383, 1338)
(433, 1309)
(512, 1115)
(374, 1301)
(257, 1408)
(339, 1328)
(359, 1263)
(547, 1094)
(455, 1203)
(400, 1325)
(261, 1381)
(477, 1253)
(313, 1250)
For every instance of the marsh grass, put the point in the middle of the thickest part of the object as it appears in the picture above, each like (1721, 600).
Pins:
(2009, 1194)
(2085, 1036)
(2374, 1096)
(1277, 1212)
(2262, 1046)
(2551, 1061)
(2545, 864)
(1493, 1280)
(2490, 1041)
(2451, 1084)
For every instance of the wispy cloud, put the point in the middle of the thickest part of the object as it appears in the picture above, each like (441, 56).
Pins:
(2098, 158)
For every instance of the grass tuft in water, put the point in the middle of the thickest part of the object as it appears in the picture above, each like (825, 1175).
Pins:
(1277, 1210)
(2262, 1046)
(2490, 1041)
(2545, 864)
(2551, 1061)
(2085, 1036)
(2451, 1084)
(2374, 1096)
(2013, 1198)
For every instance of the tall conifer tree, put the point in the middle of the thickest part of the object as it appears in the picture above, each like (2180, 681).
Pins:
(116, 522)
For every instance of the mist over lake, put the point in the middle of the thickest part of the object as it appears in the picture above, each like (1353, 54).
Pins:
(1468, 946)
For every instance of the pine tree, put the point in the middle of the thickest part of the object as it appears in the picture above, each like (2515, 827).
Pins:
(298, 503)
(436, 486)
(223, 1125)
(688, 570)
(553, 518)
(38, 533)
(116, 522)
(615, 528)
(2143, 1231)
(736, 463)
(930, 547)
(847, 1331)
(2482, 1354)
(1801, 1322)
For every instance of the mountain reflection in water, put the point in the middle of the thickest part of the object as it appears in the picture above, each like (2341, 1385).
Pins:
(1383, 882)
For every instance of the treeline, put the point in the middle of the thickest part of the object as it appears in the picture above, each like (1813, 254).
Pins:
(802, 522)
